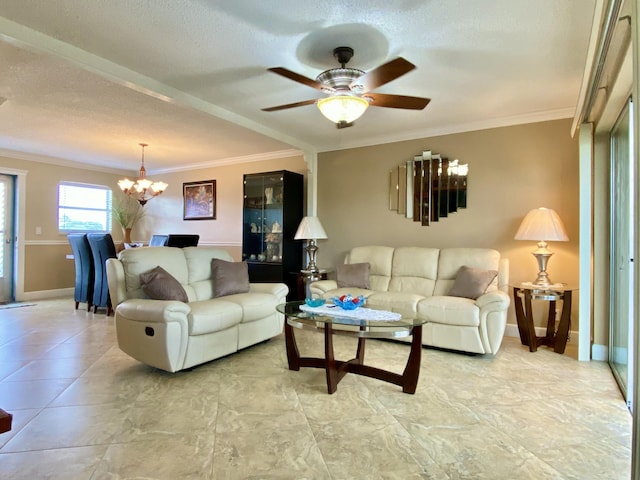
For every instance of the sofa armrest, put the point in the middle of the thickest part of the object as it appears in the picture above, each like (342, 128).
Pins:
(500, 298)
(280, 290)
(116, 282)
(493, 319)
(147, 310)
(320, 287)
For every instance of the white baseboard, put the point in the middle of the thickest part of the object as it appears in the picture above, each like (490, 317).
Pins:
(600, 353)
(45, 294)
(512, 331)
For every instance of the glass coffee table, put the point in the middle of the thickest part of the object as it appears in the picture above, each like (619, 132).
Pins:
(361, 328)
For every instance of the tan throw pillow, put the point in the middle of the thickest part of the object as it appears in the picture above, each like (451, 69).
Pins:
(159, 284)
(229, 277)
(471, 282)
(354, 275)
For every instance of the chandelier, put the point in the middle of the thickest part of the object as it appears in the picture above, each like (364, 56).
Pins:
(142, 189)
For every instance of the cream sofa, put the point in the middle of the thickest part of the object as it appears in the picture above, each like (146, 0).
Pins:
(415, 281)
(173, 335)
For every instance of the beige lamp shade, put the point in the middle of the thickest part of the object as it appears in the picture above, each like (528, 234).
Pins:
(310, 228)
(542, 224)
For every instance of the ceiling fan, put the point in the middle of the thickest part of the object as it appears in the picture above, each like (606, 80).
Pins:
(349, 89)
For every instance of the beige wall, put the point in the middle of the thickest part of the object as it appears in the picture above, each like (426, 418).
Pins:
(164, 214)
(46, 267)
(45, 264)
(511, 170)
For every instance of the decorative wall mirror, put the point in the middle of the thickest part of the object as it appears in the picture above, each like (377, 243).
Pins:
(428, 188)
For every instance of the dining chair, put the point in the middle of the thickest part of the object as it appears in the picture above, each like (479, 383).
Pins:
(85, 272)
(102, 248)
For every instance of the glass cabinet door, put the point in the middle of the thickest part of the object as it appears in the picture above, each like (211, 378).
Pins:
(263, 223)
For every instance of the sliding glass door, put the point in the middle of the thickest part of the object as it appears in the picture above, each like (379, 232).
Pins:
(622, 253)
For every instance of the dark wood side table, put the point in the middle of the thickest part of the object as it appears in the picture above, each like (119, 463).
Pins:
(523, 294)
(305, 277)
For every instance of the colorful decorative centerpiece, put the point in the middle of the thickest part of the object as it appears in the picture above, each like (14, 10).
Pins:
(347, 302)
(314, 302)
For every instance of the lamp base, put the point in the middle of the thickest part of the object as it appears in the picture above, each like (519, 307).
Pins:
(542, 255)
(312, 250)
(542, 280)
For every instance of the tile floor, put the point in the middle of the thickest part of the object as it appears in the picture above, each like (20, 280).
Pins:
(84, 410)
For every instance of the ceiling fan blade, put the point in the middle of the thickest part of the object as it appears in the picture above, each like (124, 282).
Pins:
(383, 74)
(296, 77)
(289, 105)
(396, 101)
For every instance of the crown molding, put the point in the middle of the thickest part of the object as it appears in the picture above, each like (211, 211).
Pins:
(256, 157)
(534, 117)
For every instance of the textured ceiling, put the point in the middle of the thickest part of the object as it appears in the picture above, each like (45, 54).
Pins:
(89, 80)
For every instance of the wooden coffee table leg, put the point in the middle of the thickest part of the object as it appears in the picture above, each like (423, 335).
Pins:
(360, 350)
(330, 365)
(293, 355)
(412, 370)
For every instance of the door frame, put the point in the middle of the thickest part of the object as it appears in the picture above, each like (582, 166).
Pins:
(20, 196)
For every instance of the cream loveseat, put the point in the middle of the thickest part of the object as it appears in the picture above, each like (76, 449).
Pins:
(416, 282)
(173, 335)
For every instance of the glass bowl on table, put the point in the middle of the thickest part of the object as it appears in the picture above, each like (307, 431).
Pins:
(348, 302)
(314, 302)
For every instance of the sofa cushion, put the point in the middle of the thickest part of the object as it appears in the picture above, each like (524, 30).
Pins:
(213, 315)
(449, 310)
(414, 270)
(353, 275)
(158, 284)
(400, 302)
(139, 260)
(379, 258)
(255, 306)
(199, 261)
(451, 259)
(472, 282)
(229, 277)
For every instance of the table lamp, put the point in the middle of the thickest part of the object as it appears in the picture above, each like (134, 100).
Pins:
(542, 224)
(310, 229)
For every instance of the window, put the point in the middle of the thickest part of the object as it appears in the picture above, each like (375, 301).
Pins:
(84, 208)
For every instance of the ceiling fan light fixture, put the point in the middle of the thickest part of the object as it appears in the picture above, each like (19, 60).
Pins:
(342, 108)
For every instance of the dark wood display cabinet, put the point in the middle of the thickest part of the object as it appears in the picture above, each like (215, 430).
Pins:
(271, 215)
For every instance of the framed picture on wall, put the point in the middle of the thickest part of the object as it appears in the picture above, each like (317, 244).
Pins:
(199, 200)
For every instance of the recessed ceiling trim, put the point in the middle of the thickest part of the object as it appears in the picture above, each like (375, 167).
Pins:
(536, 117)
(34, 157)
(31, 39)
(258, 157)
